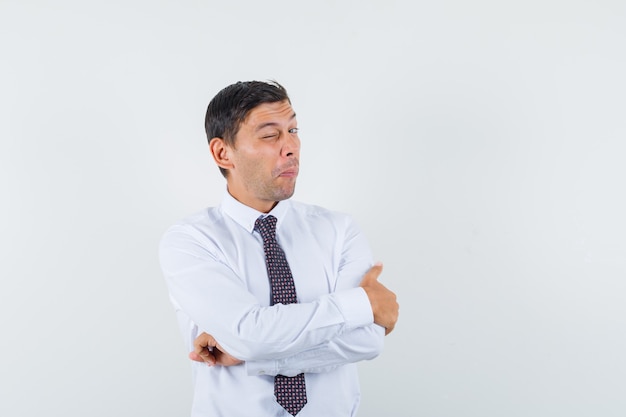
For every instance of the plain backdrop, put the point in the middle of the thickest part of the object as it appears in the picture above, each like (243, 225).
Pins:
(480, 145)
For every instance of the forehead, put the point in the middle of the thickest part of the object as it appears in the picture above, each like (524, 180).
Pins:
(278, 112)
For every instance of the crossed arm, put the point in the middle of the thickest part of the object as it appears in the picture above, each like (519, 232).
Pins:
(384, 308)
(313, 336)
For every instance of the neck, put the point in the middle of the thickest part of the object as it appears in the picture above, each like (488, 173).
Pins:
(264, 206)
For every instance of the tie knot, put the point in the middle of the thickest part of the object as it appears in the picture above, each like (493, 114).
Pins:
(267, 227)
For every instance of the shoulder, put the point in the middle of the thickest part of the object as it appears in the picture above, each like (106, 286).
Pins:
(194, 227)
(332, 229)
(318, 217)
(200, 219)
(313, 211)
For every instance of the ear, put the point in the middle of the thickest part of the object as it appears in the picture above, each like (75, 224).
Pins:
(221, 153)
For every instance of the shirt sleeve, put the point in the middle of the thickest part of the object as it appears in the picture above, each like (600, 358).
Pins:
(358, 344)
(244, 328)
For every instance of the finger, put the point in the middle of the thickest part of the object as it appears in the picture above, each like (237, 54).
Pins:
(203, 345)
(205, 356)
(390, 328)
(195, 357)
(204, 341)
(373, 274)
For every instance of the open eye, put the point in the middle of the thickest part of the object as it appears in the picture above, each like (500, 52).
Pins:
(294, 130)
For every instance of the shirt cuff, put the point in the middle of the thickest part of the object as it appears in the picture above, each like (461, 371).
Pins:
(355, 307)
(262, 367)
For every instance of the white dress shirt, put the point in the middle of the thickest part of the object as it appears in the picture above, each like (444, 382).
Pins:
(214, 265)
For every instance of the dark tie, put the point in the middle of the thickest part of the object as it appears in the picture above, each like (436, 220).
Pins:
(290, 392)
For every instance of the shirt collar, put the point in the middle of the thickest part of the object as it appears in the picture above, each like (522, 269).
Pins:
(246, 216)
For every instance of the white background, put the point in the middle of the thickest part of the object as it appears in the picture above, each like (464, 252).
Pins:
(480, 145)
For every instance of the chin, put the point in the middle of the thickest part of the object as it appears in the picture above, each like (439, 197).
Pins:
(284, 194)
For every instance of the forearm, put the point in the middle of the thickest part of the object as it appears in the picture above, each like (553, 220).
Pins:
(281, 331)
(354, 346)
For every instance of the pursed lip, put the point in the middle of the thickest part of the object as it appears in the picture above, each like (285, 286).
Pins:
(291, 171)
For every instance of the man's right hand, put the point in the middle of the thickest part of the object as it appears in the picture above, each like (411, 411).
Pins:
(383, 301)
(206, 349)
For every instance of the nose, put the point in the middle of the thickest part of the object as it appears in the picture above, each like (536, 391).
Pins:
(291, 145)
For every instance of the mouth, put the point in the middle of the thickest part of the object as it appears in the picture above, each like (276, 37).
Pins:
(288, 172)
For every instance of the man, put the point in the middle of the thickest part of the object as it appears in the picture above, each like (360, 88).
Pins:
(278, 298)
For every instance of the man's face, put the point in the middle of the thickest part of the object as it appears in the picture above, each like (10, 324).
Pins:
(265, 158)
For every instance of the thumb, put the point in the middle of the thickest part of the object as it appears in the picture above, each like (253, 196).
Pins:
(372, 275)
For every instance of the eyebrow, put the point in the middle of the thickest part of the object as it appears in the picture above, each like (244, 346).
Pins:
(264, 125)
